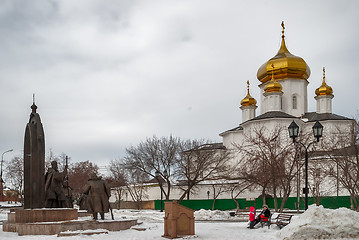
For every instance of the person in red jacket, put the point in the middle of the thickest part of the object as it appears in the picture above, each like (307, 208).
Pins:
(264, 215)
(252, 216)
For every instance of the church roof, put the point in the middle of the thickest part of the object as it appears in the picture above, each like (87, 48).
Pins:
(272, 114)
(267, 115)
(313, 116)
(208, 146)
(232, 130)
(211, 146)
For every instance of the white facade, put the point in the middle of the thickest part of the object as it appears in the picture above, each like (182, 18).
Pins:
(284, 99)
(324, 104)
(248, 112)
(294, 100)
(279, 106)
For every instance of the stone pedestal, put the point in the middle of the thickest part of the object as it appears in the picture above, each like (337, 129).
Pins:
(51, 228)
(178, 220)
(43, 215)
(55, 221)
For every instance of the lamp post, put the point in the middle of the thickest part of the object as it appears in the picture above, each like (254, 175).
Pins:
(157, 174)
(293, 133)
(1, 179)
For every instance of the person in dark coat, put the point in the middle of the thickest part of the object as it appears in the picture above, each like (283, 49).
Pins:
(265, 214)
(98, 193)
(54, 194)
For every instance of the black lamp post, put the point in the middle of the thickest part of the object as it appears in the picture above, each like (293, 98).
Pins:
(293, 133)
(157, 174)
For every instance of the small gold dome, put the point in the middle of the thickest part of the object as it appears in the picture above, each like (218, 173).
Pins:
(248, 100)
(287, 65)
(273, 85)
(324, 89)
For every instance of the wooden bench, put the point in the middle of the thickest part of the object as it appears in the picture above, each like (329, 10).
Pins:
(282, 220)
(266, 221)
(239, 213)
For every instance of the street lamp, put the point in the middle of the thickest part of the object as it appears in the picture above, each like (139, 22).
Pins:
(293, 133)
(157, 174)
(1, 179)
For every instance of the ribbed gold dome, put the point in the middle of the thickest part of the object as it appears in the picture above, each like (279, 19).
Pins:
(273, 86)
(248, 100)
(324, 89)
(286, 65)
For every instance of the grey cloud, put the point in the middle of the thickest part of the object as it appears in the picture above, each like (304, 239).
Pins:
(108, 74)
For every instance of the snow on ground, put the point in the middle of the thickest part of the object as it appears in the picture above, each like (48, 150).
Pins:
(315, 223)
(211, 215)
(323, 223)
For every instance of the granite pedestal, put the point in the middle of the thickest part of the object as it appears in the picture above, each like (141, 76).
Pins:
(55, 221)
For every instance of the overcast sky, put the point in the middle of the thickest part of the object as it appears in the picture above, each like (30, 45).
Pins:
(108, 74)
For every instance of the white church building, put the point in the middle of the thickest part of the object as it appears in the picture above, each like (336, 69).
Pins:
(283, 82)
(283, 98)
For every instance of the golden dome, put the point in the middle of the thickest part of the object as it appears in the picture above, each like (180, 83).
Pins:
(273, 85)
(248, 100)
(324, 89)
(286, 65)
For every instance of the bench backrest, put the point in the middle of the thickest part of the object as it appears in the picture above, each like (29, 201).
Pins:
(284, 217)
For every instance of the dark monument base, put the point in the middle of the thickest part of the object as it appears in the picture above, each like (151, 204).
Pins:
(56, 221)
(42, 215)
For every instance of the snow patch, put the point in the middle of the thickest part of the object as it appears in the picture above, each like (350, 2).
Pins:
(322, 223)
(210, 215)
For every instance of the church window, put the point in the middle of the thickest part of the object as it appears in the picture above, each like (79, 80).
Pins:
(294, 101)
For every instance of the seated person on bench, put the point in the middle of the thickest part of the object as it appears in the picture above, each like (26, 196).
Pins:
(264, 215)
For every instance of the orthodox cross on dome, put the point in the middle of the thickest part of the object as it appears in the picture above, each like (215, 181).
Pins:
(272, 71)
(282, 29)
(323, 74)
(248, 86)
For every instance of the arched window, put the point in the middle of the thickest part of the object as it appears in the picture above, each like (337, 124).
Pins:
(294, 102)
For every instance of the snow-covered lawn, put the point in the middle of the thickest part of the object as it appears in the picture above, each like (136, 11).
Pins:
(315, 223)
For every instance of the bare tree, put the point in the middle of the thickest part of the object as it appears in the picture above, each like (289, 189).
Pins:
(218, 188)
(200, 161)
(117, 179)
(155, 155)
(15, 175)
(135, 185)
(237, 188)
(79, 173)
(343, 151)
(268, 161)
(318, 172)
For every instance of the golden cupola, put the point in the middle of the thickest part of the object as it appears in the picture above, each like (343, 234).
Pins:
(286, 65)
(248, 100)
(324, 89)
(273, 85)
